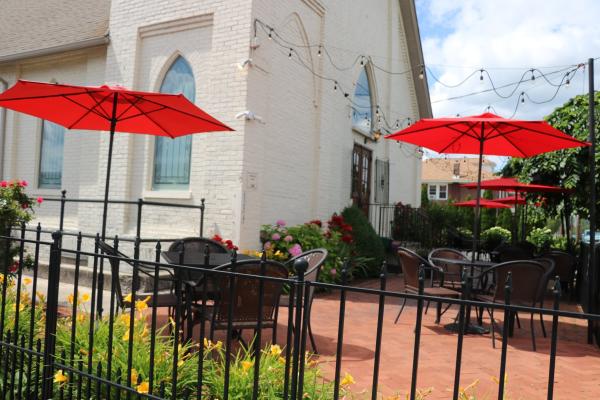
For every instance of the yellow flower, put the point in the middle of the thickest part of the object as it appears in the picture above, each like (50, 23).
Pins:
(124, 319)
(126, 336)
(80, 317)
(144, 332)
(347, 380)
(83, 352)
(71, 298)
(143, 387)
(61, 378)
(281, 360)
(1, 278)
(21, 307)
(27, 281)
(140, 306)
(85, 297)
(180, 363)
(246, 365)
(134, 376)
(275, 350)
(127, 298)
(40, 296)
(207, 343)
(218, 345)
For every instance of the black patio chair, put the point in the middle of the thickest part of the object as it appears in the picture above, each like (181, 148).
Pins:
(165, 297)
(244, 306)
(527, 276)
(564, 267)
(507, 252)
(411, 264)
(198, 244)
(315, 258)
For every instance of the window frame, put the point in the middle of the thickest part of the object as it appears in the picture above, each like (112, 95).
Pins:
(368, 71)
(40, 184)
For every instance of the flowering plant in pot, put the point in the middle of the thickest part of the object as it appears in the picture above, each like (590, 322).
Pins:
(16, 208)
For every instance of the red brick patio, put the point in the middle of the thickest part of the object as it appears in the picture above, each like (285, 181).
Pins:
(577, 364)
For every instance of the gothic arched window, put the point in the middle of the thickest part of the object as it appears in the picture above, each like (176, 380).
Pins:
(362, 113)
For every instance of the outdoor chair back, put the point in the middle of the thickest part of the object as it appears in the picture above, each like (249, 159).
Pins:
(115, 258)
(452, 272)
(506, 252)
(198, 244)
(411, 263)
(549, 267)
(246, 295)
(527, 276)
(564, 266)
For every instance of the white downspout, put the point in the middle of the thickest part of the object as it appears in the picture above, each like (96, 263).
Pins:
(3, 87)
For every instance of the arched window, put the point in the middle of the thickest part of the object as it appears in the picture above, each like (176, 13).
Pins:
(362, 113)
(172, 156)
(51, 155)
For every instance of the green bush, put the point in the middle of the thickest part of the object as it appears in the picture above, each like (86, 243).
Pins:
(367, 244)
(541, 237)
(493, 236)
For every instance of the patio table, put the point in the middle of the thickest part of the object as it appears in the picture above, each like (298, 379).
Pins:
(196, 259)
(472, 264)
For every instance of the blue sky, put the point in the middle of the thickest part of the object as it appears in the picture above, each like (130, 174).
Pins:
(507, 38)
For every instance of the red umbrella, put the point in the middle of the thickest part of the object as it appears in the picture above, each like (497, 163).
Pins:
(520, 200)
(487, 134)
(482, 203)
(513, 185)
(110, 108)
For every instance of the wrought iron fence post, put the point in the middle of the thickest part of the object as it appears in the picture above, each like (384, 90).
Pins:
(415, 367)
(51, 316)
(202, 217)
(63, 201)
(138, 229)
(300, 266)
(465, 284)
(340, 338)
(554, 338)
(507, 317)
(382, 285)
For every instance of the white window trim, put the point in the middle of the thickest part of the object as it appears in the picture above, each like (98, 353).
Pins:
(437, 186)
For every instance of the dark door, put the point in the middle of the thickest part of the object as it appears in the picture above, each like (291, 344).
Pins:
(361, 177)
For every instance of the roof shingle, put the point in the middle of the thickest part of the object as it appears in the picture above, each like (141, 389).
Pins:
(444, 169)
(30, 25)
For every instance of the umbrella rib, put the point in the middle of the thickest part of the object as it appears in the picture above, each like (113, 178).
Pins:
(214, 121)
(46, 96)
(457, 138)
(567, 138)
(142, 113)
(85, 108)
(428, 128)
(515, 146)
(89, 110)
(500, 133)
(153, 121)
(131, 105)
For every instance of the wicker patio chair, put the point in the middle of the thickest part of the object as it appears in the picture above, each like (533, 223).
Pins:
(527, 276)
(452, 272)
(315, 258)
(411, 263)
(564, 267)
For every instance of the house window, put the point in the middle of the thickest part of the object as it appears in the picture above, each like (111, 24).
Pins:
(443, 192)
(51, 155)
(437, 192)
(362, 111)
(382, 182)
(172, 156)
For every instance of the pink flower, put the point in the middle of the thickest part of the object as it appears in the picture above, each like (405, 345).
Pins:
(288, 238)
(333, 272)
(40, 200)
(23, 183)
(276, 236)
(3, 184)
(267, 245)
(280, 222)
(295, 250)
(25, 206)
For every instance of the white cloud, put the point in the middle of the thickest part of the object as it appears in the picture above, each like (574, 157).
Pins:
(461, 36)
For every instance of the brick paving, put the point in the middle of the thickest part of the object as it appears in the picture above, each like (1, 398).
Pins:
(577, 363)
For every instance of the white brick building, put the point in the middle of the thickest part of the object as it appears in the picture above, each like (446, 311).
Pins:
(295, 163)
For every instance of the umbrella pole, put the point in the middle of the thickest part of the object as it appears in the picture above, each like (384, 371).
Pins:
(113, 126)
(477, 201)
(515, 220)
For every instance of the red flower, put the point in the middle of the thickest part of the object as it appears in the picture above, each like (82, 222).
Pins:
(217, 238)
(230, 244)
(316, 222)
(347, 238)
(40, 200)
(3, 184)
(23, 183)
(347, 227)
(25, 206)
(13, 268)
(337, 220)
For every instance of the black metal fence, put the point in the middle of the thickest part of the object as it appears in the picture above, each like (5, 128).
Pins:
(50, 349)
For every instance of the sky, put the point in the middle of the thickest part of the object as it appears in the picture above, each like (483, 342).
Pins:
(507, 38)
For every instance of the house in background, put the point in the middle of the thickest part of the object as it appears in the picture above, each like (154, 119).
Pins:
(442, 177)
(303, 147)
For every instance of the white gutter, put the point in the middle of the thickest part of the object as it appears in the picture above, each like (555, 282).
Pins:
(98, 41)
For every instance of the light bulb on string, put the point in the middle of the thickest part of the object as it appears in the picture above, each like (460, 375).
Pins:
(568, 82)
(397, 125)
(481, 74)
(362, 61)
(532, 75)
(319, 51)
(270, 33)
(334, 85)
(522, 97)
(290, 53)
(421, 73)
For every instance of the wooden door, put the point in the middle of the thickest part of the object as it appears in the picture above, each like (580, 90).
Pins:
(361, 177)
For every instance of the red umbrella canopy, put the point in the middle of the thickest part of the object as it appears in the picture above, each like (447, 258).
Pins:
(511, 200)
(486, 134)
(95, 107)
(513, 185)
(482, 203)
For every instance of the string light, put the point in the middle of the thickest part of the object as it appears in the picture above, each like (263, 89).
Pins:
(421, 73)
(271, 34)
(532, 75)
(335, 84)
(319, 51)
(522, 96)
(290, 53)
(481, 74)
(362, 61)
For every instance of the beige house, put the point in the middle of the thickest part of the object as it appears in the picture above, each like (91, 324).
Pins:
(442, 177)
(303, 147)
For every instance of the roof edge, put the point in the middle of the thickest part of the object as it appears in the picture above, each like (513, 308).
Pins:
(83, 44)
(408, 14)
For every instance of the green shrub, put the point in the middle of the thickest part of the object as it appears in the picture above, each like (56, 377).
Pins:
(541, 237)
(367, 243)
(493, 236)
